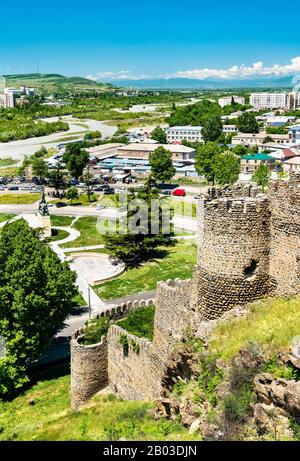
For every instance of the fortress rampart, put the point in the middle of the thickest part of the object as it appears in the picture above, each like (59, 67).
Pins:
(248, 248)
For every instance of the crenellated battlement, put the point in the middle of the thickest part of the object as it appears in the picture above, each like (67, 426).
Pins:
(248, 248)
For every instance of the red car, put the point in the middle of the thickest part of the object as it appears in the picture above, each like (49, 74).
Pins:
(179, 192)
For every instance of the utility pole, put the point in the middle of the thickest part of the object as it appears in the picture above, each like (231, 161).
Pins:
(89, 299)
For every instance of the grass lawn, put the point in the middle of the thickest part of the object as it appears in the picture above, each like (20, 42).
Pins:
(183, 208)
(88, 233)
(5, 216)
(104, 418)
(58, 234)
(22, 199)
(272, 324)
(7, 162)
(179, 262)
(140, 322)
(63, 221)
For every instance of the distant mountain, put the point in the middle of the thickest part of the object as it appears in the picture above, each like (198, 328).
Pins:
(53, 82)
(207, 84)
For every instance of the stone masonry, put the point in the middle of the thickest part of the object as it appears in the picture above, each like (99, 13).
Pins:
(248, 248)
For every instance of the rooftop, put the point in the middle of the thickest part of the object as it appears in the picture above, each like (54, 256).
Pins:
(184, 128)
(293, 161)
(176, 148)
(258, 157)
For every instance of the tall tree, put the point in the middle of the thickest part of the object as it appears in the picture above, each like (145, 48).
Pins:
(75, 159)
(36, 292)
(161, 164)
(262, 176)
(212, 128)
(72, 193)
(247, 123)
(148, 226)
(204, 160)
(159, 135)
(227, 168)
(39, 168)
(57, 177)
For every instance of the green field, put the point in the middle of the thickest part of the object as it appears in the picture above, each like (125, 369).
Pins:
(104, 418)
(178, 262)
(88, 233)
(21, 199)
(140, 322)
(62, 221)
(58, 234)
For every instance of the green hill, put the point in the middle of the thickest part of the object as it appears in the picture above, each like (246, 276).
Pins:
(53, 82)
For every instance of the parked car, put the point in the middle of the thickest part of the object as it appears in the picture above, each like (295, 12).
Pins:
(13, 188)
(2, 188)
(166, 192)
(179, 192)
(109, 191)
(100, 207)
(61, 204)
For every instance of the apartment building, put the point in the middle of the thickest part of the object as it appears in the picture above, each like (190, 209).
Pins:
(142, 151)
(294, 134)
(269, 100)
(7, 100)
(176, 134)
(227, 100)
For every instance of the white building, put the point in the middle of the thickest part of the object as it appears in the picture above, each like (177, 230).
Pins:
(294, 134)
(230, 129)
(7, 100)
(227, 100)
(269, 100)
(176, 134)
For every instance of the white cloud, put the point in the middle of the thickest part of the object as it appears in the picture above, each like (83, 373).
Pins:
(120, 75)
(242, 71)
(235, 71)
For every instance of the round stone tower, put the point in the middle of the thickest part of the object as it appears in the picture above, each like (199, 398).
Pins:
(233, 253)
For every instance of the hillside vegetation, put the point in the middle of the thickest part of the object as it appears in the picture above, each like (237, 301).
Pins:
(104, 418)
(52, 82)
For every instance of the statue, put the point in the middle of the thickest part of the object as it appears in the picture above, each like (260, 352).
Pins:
(43, 207)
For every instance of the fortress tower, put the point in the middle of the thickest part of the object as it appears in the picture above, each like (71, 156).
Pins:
(234, 239)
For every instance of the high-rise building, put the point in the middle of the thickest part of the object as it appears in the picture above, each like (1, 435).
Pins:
(269, 100)
(227, 100)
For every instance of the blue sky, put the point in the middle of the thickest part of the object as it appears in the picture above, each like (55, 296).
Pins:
(132, 39)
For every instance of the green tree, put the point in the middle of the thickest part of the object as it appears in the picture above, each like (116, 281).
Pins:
(240, 150)
(133, 244)
(72, 193)
(227, 168)
(159, 135)
(41, 152)
(160, 161)
(36, 293)
(75, 159)
(92, 135)
(56, 177)
(39, 168)
(205, 158)
(212, 128)
(262, 176)
(247, 123)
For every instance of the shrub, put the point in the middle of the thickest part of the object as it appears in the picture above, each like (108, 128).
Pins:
(140, 322)
(210, 377)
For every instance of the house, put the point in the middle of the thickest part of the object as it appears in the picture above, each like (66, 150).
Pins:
(284, 154)
(250, 163)
(257, 139)
(292, 165)
(142, 151)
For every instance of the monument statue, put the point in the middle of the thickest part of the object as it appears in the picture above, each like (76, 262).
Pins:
(43, 207)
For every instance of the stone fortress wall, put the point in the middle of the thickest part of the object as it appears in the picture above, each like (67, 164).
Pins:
(248, 248)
